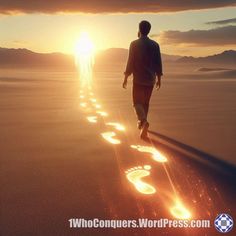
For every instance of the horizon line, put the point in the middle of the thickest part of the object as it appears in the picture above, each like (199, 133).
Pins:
(102, 50)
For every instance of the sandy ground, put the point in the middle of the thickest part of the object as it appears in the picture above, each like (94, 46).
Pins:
(55, 164)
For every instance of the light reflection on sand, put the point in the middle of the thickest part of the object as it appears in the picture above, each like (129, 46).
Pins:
(180, 211)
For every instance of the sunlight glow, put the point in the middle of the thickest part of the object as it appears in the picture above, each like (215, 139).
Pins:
(84, 59)
(156, 155)
(180, 211)
(109, 137)
(84, 45)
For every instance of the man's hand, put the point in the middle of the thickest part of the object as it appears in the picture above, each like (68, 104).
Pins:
(124, 85)
(158, 83)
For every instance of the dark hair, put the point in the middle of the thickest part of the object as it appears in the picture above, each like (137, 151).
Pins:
(144, 27)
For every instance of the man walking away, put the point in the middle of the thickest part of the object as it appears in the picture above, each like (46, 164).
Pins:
(144, 62)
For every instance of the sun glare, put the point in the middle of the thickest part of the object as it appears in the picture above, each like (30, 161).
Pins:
(84, 46)
(84, 59)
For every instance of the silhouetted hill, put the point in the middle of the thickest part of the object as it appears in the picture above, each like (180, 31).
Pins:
(226, 57)
(120, 55)
(24, 57)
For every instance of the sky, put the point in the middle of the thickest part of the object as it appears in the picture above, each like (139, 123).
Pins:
(196, 32)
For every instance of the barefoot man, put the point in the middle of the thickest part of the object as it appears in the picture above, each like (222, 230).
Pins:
(144, 62)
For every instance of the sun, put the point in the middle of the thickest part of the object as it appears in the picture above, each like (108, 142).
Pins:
(84, 46)
(84, 59)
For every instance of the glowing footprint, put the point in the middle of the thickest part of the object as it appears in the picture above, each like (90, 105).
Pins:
(97, 106)
(93, 100)
(135, 176)
(92, 119)
(102, 113)
(83, 104)
(109, 137)
(81, 96)
(116, 126)
(156, 155)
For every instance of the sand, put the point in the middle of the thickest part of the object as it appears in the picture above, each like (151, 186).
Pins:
(55, 164)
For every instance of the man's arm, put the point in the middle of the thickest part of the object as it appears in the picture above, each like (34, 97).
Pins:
(129, 66)
(158, 82)
(159, 72)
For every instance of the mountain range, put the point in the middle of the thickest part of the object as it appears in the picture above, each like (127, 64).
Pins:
(26, 58)
(226, 57)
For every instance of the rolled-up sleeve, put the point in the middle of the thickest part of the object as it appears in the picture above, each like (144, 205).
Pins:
(130, 61)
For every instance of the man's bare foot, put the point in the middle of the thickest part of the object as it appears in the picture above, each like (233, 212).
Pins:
(144, 130)
(139, 124)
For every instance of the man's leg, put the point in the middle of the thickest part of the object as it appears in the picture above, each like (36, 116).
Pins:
(147, 97)
(141, 98)
(147, 92)
(138, 98)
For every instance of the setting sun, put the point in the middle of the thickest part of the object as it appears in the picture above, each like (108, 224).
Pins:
(84, 46)
(84, 58)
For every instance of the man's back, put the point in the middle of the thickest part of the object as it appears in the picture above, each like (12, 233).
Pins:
(144, 61)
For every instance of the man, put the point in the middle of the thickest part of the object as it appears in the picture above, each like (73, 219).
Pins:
(144, 62)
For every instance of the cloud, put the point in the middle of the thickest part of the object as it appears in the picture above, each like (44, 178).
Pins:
(108, 6)
(212, 37)
(222, 22)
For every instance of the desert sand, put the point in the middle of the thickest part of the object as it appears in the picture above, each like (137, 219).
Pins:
(56, 164)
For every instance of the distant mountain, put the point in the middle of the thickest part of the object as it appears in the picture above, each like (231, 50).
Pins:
(25, 57)
(226, 57)
(206, 69)
(113, 55)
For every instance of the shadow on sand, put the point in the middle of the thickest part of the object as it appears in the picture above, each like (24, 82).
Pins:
(189, 153)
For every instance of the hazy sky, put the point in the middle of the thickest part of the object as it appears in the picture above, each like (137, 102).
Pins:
(183, 33)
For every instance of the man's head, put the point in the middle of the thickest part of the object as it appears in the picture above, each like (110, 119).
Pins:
(144, 27)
